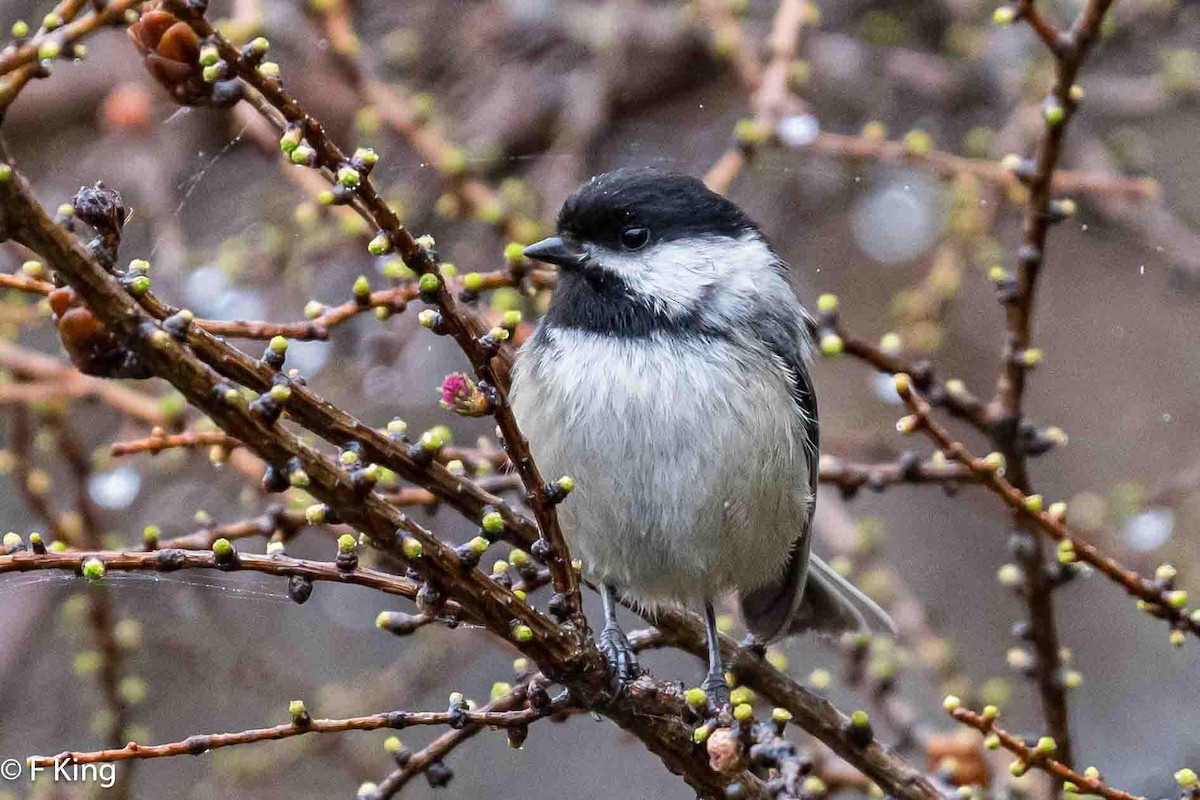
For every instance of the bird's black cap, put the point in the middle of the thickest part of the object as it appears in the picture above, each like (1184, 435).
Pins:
(672, 206)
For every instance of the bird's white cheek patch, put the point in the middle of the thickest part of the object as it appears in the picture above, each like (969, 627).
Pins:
(676, 276)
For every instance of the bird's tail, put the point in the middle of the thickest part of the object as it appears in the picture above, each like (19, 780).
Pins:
(832, 605)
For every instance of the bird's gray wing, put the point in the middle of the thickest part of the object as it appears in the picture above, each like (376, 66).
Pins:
(808, 595)
(768, 611)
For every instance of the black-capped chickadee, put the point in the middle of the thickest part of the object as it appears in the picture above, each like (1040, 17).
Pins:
(670, 379)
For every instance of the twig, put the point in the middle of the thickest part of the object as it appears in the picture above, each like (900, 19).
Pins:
(1028, 508)
(392, 720)
(1032, 757)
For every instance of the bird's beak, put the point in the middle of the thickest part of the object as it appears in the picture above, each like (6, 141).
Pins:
(555, 251)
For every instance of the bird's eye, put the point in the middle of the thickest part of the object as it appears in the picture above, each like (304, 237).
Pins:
(635, 237)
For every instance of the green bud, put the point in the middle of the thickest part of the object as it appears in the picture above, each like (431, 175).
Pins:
(20, 29)
(514, 253)
(1004, 15)
(478, 545)
(566, 484)
(743, 712)
(393, 745)
(348, 176)
(832, 344)
(696, 697)
(473, 282)
(917, 143)
(381, 245)
(269, 70)
(346, 544)
(315, 514)
(222, 548)
(361, 287)
(260, 45)
(52, 21)
(12, 541)
(859, 719)
(304, 156)
(313, 309)
(428, 283)
(93, 569)
(411, 548)
(278, 344)
(6, 173)
(1186, 778)
(522, 633)
(827, 303)
(290, 140)
(700, 735)
(781, 715)
(213, 73)
(493, 523)
(209, 55)
(296, 710)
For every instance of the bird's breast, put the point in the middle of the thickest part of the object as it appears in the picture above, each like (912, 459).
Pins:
(686, 453)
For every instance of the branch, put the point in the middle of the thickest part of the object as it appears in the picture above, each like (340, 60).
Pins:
(1165, 603)
(1039, 757)
(392, 720)
(453, 317)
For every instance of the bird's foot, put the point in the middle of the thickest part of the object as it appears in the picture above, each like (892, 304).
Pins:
(716, 689)
(622, 663)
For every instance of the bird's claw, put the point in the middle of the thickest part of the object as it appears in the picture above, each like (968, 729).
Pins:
(622, 663)
(716, 689)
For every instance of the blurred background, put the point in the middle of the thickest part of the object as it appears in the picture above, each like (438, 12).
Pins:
(486, 115)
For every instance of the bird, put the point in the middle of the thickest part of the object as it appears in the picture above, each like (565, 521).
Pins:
(669, 378)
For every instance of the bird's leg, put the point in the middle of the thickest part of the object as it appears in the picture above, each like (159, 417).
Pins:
(714, 683)
(622, 663)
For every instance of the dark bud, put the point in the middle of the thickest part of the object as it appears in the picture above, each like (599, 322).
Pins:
(559, 606)
(38, 545)
(178, 324)
(1029, 256)
(910, 464)
(458, 712)
(1021, 629)
(346, 562)
(438, 774)
(540, 550)
(100, 207)
(876, 481)
(552, 493)
(266, 407)
(517, 736)
(275, 480)
(1007, 291)
(342, 194)
(364, 480)
(430, 601)
(170, 559)
(468, 557)
(274, 358)
(538, 697)
(848, 491)
(299, 588)
(1021, 545)
(400, 623)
